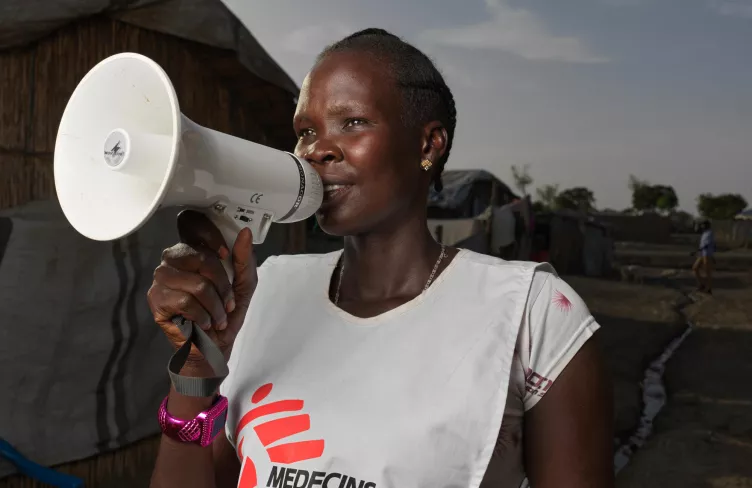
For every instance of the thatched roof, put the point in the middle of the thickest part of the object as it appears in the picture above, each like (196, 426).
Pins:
(207, 22)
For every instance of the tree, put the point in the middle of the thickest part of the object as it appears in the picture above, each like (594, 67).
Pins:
(579, 198)
(547, 195)
(522, 178)
(649, 197)
(644, 197)
(635, 182)
(540, 207)
(666, 200)
(720, 207)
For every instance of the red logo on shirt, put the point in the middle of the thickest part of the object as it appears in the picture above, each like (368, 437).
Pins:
(272, 431)
(536, 384)
(562, 302)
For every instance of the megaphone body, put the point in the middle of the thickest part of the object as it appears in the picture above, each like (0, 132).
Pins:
(124, 150)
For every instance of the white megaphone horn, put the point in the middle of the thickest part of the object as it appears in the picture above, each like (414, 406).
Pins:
(123, 150)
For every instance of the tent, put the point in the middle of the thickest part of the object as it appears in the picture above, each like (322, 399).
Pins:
(477, 211)
(467, 193)
(83, 363)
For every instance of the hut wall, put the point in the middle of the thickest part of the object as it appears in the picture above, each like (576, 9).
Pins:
(648, 228)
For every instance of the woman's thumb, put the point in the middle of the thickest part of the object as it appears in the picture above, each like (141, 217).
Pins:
(244, 267)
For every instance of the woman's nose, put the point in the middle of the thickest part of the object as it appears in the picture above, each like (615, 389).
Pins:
(323, 152)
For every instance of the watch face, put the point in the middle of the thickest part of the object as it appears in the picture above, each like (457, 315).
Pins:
(218, 424)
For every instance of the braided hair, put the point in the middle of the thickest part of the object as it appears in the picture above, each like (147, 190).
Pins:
(425, 94)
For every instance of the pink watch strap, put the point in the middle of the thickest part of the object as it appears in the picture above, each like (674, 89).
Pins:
(201, 430)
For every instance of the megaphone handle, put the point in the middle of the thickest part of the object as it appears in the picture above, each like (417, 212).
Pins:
(188, 385)
(203, 387)
(229, 230)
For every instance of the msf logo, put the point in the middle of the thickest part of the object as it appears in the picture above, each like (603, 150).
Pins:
(271, 432)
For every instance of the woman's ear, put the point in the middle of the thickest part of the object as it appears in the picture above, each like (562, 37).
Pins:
(434, 141)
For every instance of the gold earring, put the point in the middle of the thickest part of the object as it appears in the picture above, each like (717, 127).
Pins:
(426, 164)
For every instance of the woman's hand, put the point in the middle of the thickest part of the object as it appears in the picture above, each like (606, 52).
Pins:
(191, 281)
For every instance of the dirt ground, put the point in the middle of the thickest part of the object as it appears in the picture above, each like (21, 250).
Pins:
(703, 437)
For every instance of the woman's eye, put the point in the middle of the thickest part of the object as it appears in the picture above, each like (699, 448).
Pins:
(305, 133)
(354, 122)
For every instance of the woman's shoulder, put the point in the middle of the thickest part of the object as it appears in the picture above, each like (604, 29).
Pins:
(493, 269)
(497, 264)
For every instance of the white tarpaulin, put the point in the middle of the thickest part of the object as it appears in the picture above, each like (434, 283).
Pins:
(84, 364)
(205, 21)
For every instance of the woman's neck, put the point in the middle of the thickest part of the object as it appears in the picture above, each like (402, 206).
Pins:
(391, 264)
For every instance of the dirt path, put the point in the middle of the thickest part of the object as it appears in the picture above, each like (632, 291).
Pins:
(703, 438)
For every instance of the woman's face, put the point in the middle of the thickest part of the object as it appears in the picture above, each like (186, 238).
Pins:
(350, 128)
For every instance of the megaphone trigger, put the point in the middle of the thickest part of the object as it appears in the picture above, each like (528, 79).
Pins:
(229, 225)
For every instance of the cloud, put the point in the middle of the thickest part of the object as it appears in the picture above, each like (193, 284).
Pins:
(312, 39)
(733, 8)
(514, 30)
(623, 3)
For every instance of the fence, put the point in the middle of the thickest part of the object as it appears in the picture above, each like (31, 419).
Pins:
(733, 233)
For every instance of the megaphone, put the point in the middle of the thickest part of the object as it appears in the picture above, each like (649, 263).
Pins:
(124, 150)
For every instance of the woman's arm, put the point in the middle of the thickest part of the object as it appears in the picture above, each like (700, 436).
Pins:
(189, 465)
(569, 433)
(226, 463)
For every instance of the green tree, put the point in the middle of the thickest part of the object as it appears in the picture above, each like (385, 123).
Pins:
(649, 197)
(522, 178)
(547, 195)
(578, 198)
(666, 200)
(720, 207)
(635, 182)
(644, 197)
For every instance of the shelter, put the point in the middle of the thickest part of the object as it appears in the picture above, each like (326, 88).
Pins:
(79, 348)
(735, 233)
(648, 227)
(574, 243)
(477, 211)
(744, 215)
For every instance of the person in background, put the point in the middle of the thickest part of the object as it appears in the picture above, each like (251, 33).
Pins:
(705, 261)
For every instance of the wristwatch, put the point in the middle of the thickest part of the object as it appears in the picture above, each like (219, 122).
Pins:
(201, 430)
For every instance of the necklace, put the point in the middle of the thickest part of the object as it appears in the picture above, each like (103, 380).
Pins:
(442, 255)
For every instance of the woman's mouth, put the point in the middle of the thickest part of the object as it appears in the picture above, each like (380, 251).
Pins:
(333, 192)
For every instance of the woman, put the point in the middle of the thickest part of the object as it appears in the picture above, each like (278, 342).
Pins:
(355, 368)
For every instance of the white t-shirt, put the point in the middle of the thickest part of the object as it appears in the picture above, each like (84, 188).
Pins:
(421, 395)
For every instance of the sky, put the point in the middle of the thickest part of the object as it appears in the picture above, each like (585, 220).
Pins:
(587, 92)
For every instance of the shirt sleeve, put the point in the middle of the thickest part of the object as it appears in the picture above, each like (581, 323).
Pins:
(555, 326)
